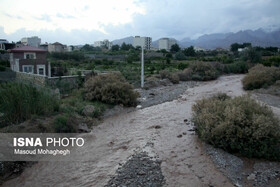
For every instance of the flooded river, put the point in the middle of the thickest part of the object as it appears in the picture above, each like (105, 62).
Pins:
(160, 130)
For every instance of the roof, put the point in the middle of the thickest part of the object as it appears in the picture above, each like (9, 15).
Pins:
(56, 43)
(27, 49)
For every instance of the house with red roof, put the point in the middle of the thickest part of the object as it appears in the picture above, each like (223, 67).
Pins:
(29, 59)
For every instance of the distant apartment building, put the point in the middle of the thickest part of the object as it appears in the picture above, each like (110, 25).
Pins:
(5, 45)
(44, 46)
(146, 42)
(29, 59)
(197, 49)
(166, 43)
(2, 44)
(103, 44)
(34, 41)
(70, 48)
(56, 47)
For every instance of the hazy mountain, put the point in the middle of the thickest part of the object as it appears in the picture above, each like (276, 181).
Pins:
(258, 37)
(127, 40)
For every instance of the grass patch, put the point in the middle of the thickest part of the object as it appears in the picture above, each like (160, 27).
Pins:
(62, 124)
(19, 102)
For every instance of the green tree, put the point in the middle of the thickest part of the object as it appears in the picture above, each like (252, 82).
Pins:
(189, 51)
(87, 47)
(234, 47)
(253, 55)
(115, 48)
(125, 47)
(175, 48)
(180, 56)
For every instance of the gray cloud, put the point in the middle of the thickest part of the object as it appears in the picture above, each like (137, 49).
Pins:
(44, 17)
(177, 19)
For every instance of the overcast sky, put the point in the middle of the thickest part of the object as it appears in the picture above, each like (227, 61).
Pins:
(86, 21)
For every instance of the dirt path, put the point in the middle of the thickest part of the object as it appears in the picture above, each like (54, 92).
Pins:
(159, 130)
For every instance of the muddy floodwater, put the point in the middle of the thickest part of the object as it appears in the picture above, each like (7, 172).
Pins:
(159, 130)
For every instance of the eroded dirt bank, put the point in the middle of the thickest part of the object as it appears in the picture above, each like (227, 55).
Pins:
(160, 130)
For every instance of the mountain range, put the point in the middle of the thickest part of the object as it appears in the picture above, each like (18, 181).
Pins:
(258, 37)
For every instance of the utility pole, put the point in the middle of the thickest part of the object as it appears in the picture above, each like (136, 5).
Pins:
(142, 68)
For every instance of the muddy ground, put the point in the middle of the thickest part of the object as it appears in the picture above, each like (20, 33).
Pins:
(128, 144)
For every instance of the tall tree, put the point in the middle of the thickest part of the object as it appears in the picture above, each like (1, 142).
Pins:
(115, 48)
(175, 48)
(189, 51)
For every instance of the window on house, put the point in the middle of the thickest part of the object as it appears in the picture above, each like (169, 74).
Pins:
(28, 69)
(29, 56)
(41, 71)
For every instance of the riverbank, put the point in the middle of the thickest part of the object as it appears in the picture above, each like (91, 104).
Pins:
(165, 134)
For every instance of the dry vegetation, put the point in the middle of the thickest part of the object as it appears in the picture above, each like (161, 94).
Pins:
(110, 89)
(261, 77)
(238, 125)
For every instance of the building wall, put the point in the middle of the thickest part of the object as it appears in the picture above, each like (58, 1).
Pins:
(146, 42)
(104, 43)
(31, 78)
(166, 43)
(31, 41)
(55, 48)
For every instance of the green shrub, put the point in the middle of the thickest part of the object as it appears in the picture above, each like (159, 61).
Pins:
(237, 67)
(61, 124)
(261, 76)
(180, 56)
(18, 102)
(238, 125)
(203, 71)
(2, 68)
(182, 66)
(110, 89)
(5, 63)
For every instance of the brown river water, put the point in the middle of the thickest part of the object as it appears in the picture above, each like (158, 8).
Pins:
(160, 130)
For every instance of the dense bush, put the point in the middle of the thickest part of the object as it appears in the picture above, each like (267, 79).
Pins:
(5, 63)
(203, 71)
(19, 102)
(111, 89)
(164, 74)
(261, 76)
(185, 75)
(272, 61)
(2, 68)
(62, 124)
(182, 66)
(174, 78)
(237, 67)
(238, 125)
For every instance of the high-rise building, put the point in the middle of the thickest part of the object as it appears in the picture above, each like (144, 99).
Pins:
(166, 43)
(34, 41)
(105, 43)
(146, 42)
